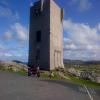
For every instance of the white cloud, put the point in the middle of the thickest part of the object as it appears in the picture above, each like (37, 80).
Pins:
(21, 31)
(17, 31)
(82, 41)
(8, 55)
(85, 33)
(8, 35)
(30, 2)
(82, 5)
(98, 27)
(18, 34)
(71, 46)
(7, 12)
(4, 52)
(16, 16)
(1, 47)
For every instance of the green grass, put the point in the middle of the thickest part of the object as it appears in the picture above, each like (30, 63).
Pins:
(88, 83)
(45, 74)
(1, 68)
(21, 72)
(73, 79)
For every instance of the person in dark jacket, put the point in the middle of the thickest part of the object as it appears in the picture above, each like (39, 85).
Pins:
(38, 71)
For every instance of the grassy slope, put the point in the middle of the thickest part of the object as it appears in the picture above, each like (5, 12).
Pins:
(82, 81)
(45, 74)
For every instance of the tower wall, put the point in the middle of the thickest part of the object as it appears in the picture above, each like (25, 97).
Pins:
(45, 18)
(56, 36)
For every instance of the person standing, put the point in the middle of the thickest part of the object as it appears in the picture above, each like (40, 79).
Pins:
(38, 71)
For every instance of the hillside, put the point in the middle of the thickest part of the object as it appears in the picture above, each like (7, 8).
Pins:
(14, 66)
(68, 61)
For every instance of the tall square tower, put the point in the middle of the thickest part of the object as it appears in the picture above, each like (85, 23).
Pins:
(46, 35)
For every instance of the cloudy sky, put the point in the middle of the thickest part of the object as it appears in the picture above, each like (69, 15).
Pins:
(81, 29)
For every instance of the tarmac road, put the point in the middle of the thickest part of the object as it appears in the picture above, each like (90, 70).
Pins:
(16, 87)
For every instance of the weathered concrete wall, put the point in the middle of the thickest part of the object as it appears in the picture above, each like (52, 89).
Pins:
(49, 22)
(56, 36)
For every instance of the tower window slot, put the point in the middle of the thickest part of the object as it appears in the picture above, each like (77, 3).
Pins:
(38, 36)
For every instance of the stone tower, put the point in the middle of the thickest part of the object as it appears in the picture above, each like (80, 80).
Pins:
(46, 35)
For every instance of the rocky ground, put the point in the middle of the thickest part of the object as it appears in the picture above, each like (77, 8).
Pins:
(13, 66)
